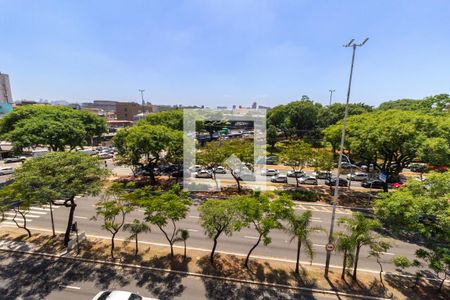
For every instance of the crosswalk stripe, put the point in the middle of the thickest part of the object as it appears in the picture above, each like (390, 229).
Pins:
(18, 221)
(19, 216)
(40, 208)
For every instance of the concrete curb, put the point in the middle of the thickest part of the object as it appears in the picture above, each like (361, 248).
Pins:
(273, 285)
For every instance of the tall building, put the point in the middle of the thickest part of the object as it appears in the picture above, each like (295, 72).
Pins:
(6, 100)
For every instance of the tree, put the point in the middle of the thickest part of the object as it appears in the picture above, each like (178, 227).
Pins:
(163, 208)
(239, 156)
(212, 126)
(389, 140)
(438, 260)
(376, 250)
(217, 217)
(264, 215)
(418, 210)
(272, 137)
(56, 127)
(143, 145)
(344, 244)
(403, 262)
(135, 228)
(330, 115)
(212, 155)
(361, 233)
(435, 151)
(436, 103)
(113, 208)
(172, 119)
(300, 228)
(296, 154)
(322, 160)
(58, 177)
(183, 235)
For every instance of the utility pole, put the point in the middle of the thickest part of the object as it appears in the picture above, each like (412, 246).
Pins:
(330, 245)
(331, 95)
(143, 103)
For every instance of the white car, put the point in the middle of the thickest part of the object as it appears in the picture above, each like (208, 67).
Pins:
(118, 295)
(308, 180)
(322, 174)
(220, 170)
(15, 159)
(279, 178)
(6, 170)
(195, 168)
(296, 173)
(270, 172)
(203, 174)
(105, 155)
(358, 176)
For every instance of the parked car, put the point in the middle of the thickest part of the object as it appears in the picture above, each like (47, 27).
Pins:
(88, 151)
(270, 172)
(358, 176)
(396, 185)
(6, 171)
(322, 174)
(296, 173)
(332, 182)
(118, 295)
(279, 178)
(374, 184)
(105, 155)
(203, 174)
(417, 168)
(308, 180)
(15, 159)
(195, 168)
(220, 170)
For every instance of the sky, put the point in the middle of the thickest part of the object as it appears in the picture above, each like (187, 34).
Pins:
(224, 52)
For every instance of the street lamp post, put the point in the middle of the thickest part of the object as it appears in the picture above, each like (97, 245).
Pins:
(143, 103)
(331, 96)
(341, 152)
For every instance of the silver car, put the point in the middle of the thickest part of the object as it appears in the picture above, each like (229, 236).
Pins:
(279, 178)
(308, 180)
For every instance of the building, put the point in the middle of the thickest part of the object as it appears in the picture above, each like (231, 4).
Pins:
(6, 101)
(127, 110)
(106, 105)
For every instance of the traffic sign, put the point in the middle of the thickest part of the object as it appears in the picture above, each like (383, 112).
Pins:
(382, 177)
(330, 247)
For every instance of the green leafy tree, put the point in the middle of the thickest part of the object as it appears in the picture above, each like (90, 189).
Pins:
(345, 244)
(144, 145)
(322, 160)
(163, 208)
(438, 260)
(436, 103)
(330, 115)
(419, 209)
(172, 119)
(242, 150)
(299, 227)
(212, 155)
(183, 235)
(58, 177)
(217, 217)
(361, 232)
(56, 127)
(389, 140)
(296, 154)
(264, 215)
(403, 262)
(377, 249)
(435, 151)
(135, 228)
(112, 209)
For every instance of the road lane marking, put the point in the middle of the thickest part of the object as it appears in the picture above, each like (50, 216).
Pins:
(70, 287)
(192, 230)
(19, 216)
(251, 237)
(80, 217)
(318, 245)
(388, 253)
(195, 217)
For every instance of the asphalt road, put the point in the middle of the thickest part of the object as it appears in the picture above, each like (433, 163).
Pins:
(239, 243)
(35, 277)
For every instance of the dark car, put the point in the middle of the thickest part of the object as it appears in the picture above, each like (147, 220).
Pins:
(332, 182)
(374, 184)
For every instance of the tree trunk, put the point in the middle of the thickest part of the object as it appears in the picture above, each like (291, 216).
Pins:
(251, 250)
(442, 282)
(355, 267)
(211, 258)
(112, 246)
(184, 249)
(152, 176)
(297, 264)
(381, 272)
(24, 222)
(296, 178)
(136, 249)
(69, 223)
(344, 265)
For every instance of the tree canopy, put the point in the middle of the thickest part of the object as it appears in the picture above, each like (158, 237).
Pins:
(56, 127)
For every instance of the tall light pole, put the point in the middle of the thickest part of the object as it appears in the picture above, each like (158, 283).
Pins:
(330, 246)
(331, 95)
(143, 103)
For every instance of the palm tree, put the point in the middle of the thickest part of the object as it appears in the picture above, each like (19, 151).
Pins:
(300, 228)
(361, 233)
(135, 228)
(182, 235)
(344, 243)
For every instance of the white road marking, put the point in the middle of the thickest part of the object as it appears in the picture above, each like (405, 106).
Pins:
(19, 216)
(40, 209)
(70, 287)
(192, 230)
(80, 217)
(318, 245)
(388, 253)
(251, 237)
(195, 217)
